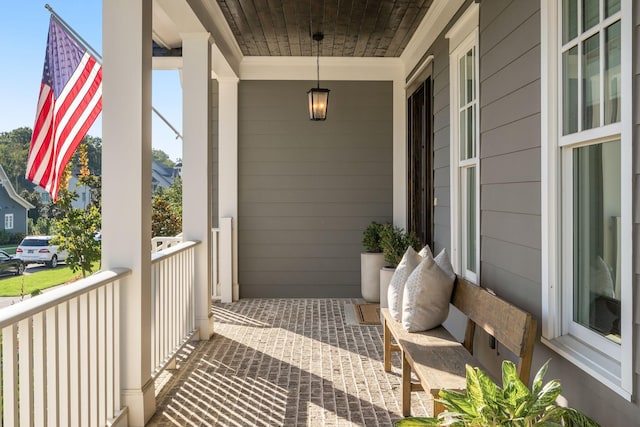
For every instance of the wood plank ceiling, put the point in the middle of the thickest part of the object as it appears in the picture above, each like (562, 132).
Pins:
(355, 28)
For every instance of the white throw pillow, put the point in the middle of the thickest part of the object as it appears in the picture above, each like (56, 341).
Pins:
(444, 262)
(426, 297)
(425, 251)
(409, 262)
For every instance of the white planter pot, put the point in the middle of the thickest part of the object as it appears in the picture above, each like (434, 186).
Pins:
(386, 273)
(370, 265)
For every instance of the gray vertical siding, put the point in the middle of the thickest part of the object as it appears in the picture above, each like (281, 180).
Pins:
(308, 189)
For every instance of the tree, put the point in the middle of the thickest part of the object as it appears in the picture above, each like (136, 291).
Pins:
(162, 158)
(78, 228)
(166, 216)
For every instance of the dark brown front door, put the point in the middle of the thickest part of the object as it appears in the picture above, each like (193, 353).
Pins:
(420, 167)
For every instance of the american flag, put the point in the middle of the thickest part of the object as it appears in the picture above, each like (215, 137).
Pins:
(69, 102)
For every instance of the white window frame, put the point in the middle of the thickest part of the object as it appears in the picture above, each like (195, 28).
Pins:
(8, 221)
(463, 36)
(584, 349)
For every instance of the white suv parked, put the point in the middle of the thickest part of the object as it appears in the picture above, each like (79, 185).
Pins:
(38, 249)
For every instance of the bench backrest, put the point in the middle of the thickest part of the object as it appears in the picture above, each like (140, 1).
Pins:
(511, 326)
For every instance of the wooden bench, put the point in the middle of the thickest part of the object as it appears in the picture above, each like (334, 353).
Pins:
(438, 360)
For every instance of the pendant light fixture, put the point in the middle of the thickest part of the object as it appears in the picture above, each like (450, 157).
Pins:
(318, 97)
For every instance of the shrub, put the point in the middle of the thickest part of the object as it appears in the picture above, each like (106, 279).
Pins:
(486, 404)
(371, 237)
(395, 242)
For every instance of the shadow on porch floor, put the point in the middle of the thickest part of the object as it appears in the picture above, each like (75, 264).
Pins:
(283, 362)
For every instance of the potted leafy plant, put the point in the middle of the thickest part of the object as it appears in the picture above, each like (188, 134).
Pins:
(486, 404)
(395, 242)
(371, 261)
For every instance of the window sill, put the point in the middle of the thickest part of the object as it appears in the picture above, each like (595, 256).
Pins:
(595, 363)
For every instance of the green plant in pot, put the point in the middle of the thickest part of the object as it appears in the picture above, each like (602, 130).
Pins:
(371, 237)
(485, 404)
(371, 261)
(395, 242)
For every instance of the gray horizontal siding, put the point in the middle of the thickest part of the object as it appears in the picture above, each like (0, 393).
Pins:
(308, 189)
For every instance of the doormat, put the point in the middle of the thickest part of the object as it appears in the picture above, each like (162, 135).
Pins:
(367, 314)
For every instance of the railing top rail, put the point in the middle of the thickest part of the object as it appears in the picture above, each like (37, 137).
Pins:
(28, 308)
(173, 250)
(166, 239)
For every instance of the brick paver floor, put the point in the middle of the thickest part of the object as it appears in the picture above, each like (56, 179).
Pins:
(284, 362)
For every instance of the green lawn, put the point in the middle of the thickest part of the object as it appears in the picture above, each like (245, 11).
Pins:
(11, 250)
(10, 286)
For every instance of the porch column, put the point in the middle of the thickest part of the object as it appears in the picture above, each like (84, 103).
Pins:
(126, 190)
(228, 174)
(197, 168)
(399, 154)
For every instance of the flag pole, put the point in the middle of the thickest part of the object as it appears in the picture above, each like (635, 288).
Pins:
(98, 57)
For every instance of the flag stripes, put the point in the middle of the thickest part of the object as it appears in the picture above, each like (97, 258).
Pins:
(62, 121)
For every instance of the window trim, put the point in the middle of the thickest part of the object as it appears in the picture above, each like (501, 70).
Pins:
(615, 374)
(9, 219)
(463, 36)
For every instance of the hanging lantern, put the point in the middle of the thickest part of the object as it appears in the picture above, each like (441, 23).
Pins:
(318, 97)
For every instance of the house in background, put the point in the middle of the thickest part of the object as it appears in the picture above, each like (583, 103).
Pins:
(84, 194)
(163, 176)
(13, 208)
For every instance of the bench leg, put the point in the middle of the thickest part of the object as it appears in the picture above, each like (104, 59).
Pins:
(387, 347)
(406, 387)
(438, 407)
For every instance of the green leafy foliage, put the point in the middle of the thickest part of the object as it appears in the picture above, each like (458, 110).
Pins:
(485, 404)
(166, 216)
(77, 228)
(395, 242)
(371, 237)
(162, 158)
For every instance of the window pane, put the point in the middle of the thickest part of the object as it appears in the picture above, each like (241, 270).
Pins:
(471, 132)
(611, 7)
(612, 74)
(463, 135)
(471, 219)
(591, 82)
(569, 20)
(470, 76)
(590, 14)
(596, 241)
(570, 91)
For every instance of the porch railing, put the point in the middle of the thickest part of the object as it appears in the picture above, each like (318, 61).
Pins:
(60, 355)
(161, 243)
(172, 304)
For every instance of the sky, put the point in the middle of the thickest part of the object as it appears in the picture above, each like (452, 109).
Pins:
(24, 25)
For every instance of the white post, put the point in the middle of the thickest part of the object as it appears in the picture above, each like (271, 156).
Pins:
(399, 154)
(126, 190)
(197, 168)
(228, 171)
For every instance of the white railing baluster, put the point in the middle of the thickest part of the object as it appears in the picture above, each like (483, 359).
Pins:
(63, 365)
(10, 374)
(51, 363)
(110, 350)
(25, 356)
(102, 351)
(85, 391)
(74, 361)
(116, 341)
(39, 371)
